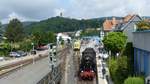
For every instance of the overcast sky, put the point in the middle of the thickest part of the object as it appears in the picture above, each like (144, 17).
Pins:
(31, 10)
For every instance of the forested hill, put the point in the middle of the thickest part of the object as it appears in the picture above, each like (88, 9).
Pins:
(62, 24)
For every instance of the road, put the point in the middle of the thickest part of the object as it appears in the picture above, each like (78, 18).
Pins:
(30, 74)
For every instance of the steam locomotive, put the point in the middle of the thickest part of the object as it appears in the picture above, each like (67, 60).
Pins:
(87, 68)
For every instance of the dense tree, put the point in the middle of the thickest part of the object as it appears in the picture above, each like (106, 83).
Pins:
(40, 38)
(89, 33)
(129, 52)
(115, 41)
(51, 37)
(14, 31)
(134, 80)
(62, 24)
(1, 28)
(0, 24)
(25, 45)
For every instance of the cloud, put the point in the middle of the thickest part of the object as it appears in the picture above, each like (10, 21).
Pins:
(97, 8)
(43, 9)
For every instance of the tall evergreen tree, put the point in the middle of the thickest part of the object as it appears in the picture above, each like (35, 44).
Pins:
(14, 31)
(0, 27)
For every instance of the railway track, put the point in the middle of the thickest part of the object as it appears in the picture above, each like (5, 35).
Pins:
(76, 62)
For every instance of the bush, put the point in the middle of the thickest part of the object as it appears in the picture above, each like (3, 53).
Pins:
(143, 25)
(118, 69)
(129, 52)
(26, 45)
(134, 80)
(4, 49)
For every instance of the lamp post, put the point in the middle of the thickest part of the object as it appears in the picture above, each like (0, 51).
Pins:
(32, 46)
(33, 52)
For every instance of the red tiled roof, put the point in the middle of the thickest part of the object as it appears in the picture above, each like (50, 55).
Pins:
(127, 18)
(108, 24)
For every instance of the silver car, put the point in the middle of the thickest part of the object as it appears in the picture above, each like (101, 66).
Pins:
(14, 54)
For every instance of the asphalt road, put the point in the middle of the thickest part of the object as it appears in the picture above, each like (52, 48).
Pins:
(30, 74)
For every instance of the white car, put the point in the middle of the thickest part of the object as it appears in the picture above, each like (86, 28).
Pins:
(2, 59)
(14, 54)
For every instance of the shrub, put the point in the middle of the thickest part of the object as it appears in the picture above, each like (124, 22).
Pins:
(143, 25)
(118, 69)
(134, 80)
(129, 52)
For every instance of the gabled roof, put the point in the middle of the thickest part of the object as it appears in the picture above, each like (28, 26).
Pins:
(126, 21)
(109, 24)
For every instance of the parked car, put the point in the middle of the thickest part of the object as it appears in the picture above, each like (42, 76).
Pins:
(22, 53)
(17, 54)
(42, 47)
(2, 59)
(14, 54)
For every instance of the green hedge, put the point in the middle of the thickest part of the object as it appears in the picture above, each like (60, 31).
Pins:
(134, 80)
(118, 69)
(129, 52)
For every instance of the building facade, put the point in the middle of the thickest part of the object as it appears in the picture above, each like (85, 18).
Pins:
(141, 41)
(127, 26)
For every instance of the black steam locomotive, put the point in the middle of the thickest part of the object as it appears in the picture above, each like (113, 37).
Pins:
(87, 68)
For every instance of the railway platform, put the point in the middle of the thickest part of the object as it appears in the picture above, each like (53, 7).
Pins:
(100, 78)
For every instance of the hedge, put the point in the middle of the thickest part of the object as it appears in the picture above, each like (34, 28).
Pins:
(134, 80)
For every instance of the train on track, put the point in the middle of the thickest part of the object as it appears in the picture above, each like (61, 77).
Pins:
(87, 67)
(76, 45)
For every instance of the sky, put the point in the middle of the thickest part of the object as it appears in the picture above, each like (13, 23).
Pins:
(36, 10)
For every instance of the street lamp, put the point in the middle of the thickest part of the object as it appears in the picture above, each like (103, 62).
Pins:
(33, 52)
(32, 46)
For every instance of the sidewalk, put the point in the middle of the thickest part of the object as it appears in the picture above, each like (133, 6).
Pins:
(101, 80)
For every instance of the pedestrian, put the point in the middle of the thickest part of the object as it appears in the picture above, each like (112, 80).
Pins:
(103, 72)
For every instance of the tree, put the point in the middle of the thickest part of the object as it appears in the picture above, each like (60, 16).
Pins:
(134, 80)
(14, 31)
(129, 52)
(115, 42)
(1, 28)
(25, 45)
(62, 24)
(51, 37)
(40, 38)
